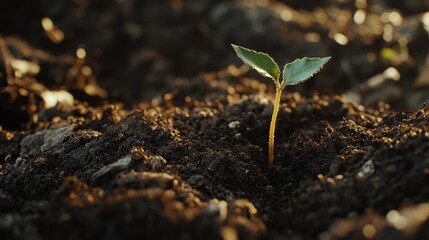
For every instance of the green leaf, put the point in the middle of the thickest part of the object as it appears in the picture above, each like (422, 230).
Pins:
(302, 69)
(261, 62)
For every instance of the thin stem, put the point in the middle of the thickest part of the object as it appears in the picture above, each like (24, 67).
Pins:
(273, 128)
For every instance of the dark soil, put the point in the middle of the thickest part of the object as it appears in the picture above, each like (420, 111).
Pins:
(164, 139)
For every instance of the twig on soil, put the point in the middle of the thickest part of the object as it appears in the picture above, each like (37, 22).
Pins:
(6, 56)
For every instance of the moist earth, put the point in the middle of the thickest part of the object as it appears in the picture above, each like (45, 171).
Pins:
(199, 171)
(133, 120)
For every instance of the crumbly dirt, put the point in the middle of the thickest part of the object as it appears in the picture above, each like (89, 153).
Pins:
(199, 171)
(159, 132)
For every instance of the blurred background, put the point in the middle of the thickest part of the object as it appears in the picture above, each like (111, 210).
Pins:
(128, 51)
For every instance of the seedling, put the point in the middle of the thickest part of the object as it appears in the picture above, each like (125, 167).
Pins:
(293, 73)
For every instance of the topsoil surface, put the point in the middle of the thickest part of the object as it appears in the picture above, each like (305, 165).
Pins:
(164, 139)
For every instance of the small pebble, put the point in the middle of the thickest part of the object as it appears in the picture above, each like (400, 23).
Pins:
(54, 137)
(366, 171)
(8, 158)
(117, 166)
(18, 161)
(196, 181)
(234, 124)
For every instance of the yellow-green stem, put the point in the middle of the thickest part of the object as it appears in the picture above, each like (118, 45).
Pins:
(273, 128)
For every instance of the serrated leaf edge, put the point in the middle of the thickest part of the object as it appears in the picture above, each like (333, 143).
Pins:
(276, 80)
(283, 83)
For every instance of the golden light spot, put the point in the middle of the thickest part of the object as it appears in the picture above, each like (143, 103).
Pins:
(81, 53)
(397, 220)
(339, 177)
(312, 37)
(369, 231)
(229, 233)
(169, 194)
(359, 16)
(388, 33)
(87, 71)
(18, 74)
(52, 32)
(33, 108)
(425, 20)
(51, 98)
(403, 41)
(239, 88)
(9, 135)
(341, 39)
(223, 210)
(90, 89)
(90, 198)
(322, 17)
(395, 18)
(392, 73)
(254, 84)
(331, 181)
(230, 90)
(175, 182)
(320, 176)
(25, 67)
(47, 24)
(23, 92)
(234, 71)
(155, 101)
(286, 15)
(422, 212)
(168, 96)
(57, 36)
(384, 17)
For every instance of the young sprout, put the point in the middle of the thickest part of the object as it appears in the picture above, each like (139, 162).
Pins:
(293, 73)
